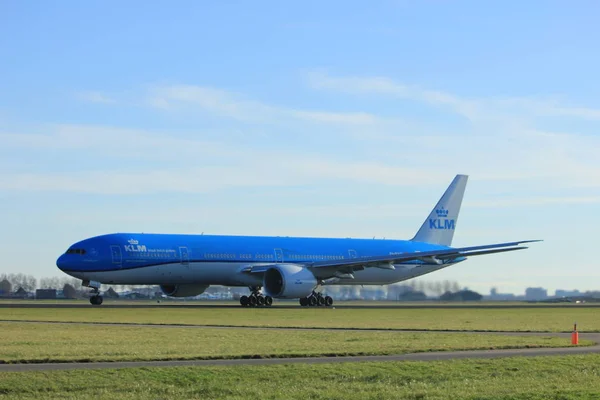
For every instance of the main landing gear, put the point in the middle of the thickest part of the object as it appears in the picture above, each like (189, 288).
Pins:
(316, 300)
(256, 299)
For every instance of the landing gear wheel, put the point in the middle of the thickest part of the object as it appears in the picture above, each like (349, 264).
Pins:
(320, 301)
(252, 301)
(312, 301)
(96, 300)
(303, 301)
(268, 301)
(328, 301)
(256, 298)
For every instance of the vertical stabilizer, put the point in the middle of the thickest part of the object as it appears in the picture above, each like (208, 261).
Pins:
(439, 226)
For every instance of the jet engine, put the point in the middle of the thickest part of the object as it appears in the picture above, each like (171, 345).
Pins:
(187, 290)
(289, 281)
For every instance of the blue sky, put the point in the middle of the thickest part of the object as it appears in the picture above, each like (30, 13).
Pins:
(311, 119)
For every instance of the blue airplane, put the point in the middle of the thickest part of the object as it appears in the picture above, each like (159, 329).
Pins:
(272, 267)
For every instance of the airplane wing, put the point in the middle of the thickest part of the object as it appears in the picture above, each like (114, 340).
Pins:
(439, 257)
(445, 254)
(328, 269)
(259, 268)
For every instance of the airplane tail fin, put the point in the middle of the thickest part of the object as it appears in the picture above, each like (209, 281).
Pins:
(439, 226)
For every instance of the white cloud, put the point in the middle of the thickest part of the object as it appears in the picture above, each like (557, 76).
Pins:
(534, 201)
(386, 86)
(504, 143)
(505, 149)
(95, 97)
(472, 108)
(115, 142)
(235, 106)
(273, 171)
(193, 164)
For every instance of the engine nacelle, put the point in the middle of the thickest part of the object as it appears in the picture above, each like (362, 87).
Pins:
(187, 290)
(289, 281)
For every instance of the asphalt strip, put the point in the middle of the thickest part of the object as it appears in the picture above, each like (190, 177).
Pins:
(286, 328)
(428, 356)
(290, 305)
(433, 356)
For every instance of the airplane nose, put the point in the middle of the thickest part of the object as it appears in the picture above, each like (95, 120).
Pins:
(61, 263)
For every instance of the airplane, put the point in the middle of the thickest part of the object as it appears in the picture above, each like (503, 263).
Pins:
(272, 267)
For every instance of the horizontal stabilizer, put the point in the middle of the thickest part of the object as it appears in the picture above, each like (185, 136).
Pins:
(482, 252)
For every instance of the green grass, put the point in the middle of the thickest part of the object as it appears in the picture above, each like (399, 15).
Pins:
(502, 319)
(541, 378)
(63, 343)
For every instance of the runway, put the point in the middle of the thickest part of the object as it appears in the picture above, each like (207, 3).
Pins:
(425, 356)
(293, 328)
(293, 305)
(432, 356)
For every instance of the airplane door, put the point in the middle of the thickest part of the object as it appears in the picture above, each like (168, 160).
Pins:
(185, 257)
(278, 255)
(115, 252)
(352, 254)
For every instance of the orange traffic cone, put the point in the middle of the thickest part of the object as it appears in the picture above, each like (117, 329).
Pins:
(575, 335)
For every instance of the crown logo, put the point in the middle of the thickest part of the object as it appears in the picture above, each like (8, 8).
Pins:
(442, 213)
(132, 241)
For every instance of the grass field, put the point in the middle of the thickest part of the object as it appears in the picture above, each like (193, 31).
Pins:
(21, 342)
(539, 319)
(573, 377)
(567, 377)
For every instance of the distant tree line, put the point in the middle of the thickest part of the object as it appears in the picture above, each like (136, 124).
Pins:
(71, 287)
(463, 295)
(408, 290)
(16, 281)
(57, 283)
(29, 283)
(433, 288)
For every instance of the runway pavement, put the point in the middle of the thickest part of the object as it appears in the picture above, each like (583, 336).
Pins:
(429, 356)
(294, 305)
(432, 356)
(292, 328)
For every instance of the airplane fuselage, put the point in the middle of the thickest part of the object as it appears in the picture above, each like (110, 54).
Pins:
(161, 259)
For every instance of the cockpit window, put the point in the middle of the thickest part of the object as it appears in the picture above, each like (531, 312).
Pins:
(76, 251)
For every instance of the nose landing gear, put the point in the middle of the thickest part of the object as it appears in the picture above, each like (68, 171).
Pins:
(256, 299)
(96, 299)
